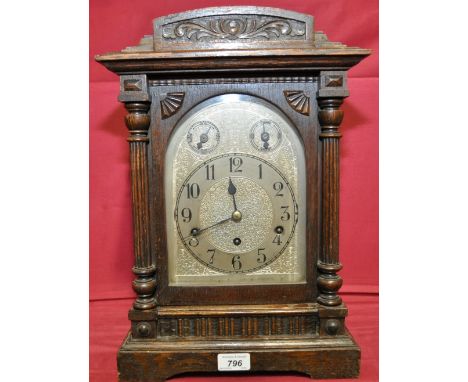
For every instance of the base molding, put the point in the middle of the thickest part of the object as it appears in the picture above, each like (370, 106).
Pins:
(320, 357)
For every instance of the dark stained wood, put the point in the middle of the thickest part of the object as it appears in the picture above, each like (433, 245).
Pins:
(154, 64)
(144, 285)
(158, 360)
(328, 265)
(258, 38)
(298, 100)
(227, 28)
(275, 55)
(330, 95)
(238, 321)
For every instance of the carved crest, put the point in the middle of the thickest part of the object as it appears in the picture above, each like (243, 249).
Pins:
(171, 104)
(298, 100)
(213, 28)
(233, 28)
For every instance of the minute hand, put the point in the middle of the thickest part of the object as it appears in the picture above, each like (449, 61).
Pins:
(200, 231)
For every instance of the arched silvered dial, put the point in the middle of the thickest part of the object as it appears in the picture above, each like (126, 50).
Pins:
(236, 213)
(235, 195)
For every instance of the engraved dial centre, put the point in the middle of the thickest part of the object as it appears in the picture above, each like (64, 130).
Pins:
(251, 225)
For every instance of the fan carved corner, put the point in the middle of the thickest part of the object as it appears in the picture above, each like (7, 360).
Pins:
(171, 103)
(298, 100)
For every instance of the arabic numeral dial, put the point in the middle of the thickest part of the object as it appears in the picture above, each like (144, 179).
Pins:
(236, 213)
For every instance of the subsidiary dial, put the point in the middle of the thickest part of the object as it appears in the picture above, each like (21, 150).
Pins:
(203, 137)
(265, 135)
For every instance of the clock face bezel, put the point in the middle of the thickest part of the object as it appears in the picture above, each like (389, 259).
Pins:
(160, 133)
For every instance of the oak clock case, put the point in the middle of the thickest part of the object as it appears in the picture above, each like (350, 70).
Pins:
(233, 118)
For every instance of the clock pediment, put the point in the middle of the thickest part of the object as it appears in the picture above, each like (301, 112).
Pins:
(254, 35)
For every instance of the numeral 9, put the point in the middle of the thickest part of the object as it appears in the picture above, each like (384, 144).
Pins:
(186, 215)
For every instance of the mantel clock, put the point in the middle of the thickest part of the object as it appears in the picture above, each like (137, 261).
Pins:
(234, 116)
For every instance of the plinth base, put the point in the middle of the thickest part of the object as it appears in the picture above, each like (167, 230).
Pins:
(157, 360)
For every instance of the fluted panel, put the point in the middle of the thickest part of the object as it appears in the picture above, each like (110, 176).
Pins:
(140, 204)
(249, 326)
(330, 200)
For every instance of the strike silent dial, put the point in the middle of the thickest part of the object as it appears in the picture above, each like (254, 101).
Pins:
(203, 137)
(265, 135)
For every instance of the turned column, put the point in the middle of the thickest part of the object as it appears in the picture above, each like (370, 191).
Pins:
(332, 90)
(135, 96)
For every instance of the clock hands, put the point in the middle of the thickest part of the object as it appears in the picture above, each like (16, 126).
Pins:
(265, 137)
(232, 191)
(236, 215)
(198, 231)
(203, 138)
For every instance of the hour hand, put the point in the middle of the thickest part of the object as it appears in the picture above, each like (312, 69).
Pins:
(232, 191)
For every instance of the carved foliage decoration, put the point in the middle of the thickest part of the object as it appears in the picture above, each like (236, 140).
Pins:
(171, 104)
(298, 100)
(235, 28)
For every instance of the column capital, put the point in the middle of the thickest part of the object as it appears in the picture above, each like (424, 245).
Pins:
(330, 117)
(138, 121)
